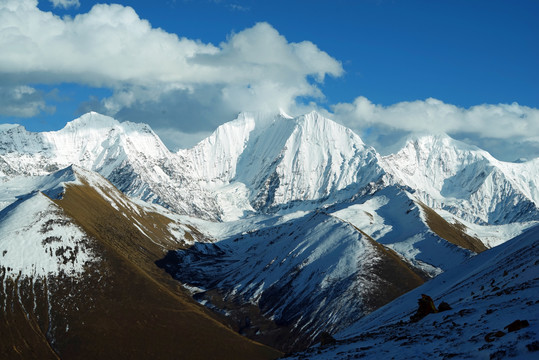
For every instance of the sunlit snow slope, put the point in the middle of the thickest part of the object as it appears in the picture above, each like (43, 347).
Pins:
(467, 181)
(267, 163)
(297, 226)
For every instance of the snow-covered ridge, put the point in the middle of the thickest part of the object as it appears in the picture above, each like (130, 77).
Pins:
(93, 141)
(5, 127)
(314, 272)
(466, 180)
(267, 162)
(36, 239)
(282, 160)
(306, 185)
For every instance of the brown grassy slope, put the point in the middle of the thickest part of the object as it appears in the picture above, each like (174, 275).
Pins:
(22, 335)
(451, 232)
(129, 308)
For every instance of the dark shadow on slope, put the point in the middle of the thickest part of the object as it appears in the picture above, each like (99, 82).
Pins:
(238, 278)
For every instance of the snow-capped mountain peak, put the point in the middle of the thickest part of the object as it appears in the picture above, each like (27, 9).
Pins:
(352, 220)
(278, 160)
(465, 180)
(270, 161)
(92, 120)
(5, 127)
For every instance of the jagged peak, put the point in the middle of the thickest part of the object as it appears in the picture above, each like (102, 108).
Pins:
(234, 134)
(439, 137)
(97, 121)
(316, 121)
(254, 123)
(314, 115)
(248, 125)
(93, 119)
(438, 142)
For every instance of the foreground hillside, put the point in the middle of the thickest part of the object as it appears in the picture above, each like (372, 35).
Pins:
(91, 290)
(487, 294)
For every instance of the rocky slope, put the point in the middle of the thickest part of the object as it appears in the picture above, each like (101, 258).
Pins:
(319, 271)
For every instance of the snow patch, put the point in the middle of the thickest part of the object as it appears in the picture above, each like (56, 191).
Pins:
(36, 239)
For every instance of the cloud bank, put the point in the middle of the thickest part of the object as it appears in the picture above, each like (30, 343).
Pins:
(153, 72)
(22, 101)
(499, 129)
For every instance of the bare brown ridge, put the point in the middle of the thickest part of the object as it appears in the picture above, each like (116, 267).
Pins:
(453, 233)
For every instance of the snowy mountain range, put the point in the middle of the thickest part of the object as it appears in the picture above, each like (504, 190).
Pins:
(283, 227)
(263, 163)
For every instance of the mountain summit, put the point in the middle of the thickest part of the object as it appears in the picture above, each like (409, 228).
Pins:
(277, 160)
(467, 181)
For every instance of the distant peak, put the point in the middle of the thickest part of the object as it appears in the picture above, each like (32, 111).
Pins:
(93, 119)
(437, 138)
(424, 137)
(440, 142)
(316, 117)
(314, 113)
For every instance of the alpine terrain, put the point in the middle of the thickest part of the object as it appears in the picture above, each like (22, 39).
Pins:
(267, 237)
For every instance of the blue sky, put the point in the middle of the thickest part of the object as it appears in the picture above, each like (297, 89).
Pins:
(452, 66)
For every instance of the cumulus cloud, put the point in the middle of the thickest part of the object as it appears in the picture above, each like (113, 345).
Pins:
(65, 3)
(149, 69)
(497, 128)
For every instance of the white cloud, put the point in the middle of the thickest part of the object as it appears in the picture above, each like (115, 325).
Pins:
(65, 3)
(497, 128)
(110, 46)
(431, 115)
